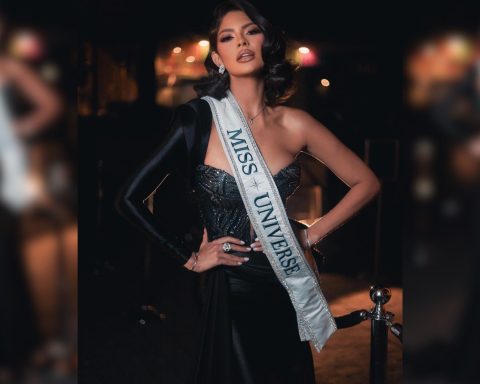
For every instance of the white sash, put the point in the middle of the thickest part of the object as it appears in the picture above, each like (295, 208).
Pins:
(15, 190)
(270, 221)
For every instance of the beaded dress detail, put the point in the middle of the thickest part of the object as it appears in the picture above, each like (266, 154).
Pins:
(223, 212)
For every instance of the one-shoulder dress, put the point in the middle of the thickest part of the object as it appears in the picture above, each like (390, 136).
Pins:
(254, 326)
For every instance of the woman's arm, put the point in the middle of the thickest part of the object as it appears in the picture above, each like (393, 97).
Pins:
(47, 103)
(345, 164)
(130, 201)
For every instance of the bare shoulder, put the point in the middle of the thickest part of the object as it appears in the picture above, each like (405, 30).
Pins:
(296, 118)
(298, 121)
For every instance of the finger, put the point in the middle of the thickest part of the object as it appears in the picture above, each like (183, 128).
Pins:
(230, 239)
(205, 236)
(241, 248)
(256, 246)
(232, 259)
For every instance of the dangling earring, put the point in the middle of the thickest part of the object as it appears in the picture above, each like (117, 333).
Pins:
(221, 69)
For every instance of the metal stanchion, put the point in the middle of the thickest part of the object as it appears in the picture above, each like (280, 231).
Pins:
(381, 322)
(378, 335)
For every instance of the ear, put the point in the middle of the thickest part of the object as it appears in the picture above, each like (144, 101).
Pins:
(216, 59)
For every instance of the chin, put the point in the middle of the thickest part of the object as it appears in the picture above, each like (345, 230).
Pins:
(251, 70)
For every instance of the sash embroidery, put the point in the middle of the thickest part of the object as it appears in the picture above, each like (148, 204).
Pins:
(270, 221)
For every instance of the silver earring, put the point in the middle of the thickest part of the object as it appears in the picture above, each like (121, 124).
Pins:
(221, 69)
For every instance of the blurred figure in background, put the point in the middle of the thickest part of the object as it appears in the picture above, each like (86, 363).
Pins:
(27, 106)
(445, 88)
(457, 113)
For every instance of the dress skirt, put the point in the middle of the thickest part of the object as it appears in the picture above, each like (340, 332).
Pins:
(249, 332)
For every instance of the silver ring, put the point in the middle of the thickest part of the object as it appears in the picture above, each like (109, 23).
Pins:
(227, 247)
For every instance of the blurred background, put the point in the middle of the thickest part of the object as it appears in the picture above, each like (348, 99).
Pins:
(38, 196)
(398, 83)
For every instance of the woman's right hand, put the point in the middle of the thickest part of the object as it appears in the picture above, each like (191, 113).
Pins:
(211, 253)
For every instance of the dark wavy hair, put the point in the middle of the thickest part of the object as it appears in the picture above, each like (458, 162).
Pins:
(278, 72)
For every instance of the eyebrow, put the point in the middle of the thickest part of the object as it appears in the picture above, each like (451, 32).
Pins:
(231, 29)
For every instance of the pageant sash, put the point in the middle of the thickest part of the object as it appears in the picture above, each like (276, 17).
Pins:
(15, 190)
(270, 221)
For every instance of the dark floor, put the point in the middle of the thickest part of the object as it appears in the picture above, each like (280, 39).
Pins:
(346, 356)
(130, 347)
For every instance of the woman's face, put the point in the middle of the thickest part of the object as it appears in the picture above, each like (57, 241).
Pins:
(239, 45)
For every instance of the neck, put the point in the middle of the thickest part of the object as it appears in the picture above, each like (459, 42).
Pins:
(249, 94)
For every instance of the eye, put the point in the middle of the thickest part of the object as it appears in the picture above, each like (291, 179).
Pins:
(225, 38)
(254, 31)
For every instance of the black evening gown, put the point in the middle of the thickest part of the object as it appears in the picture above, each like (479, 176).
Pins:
(254, 316)
(247, 332)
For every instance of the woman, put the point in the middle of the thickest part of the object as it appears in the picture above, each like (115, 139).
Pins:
(248, 332)
(27, 106)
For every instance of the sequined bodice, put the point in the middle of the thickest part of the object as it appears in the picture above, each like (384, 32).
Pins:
(221, 206)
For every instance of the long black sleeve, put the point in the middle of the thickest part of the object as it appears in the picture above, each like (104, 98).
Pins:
(169, 157)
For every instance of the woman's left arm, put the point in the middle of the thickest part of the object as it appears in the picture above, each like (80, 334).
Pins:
(344, 163)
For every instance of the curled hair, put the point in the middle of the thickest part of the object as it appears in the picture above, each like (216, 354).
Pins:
(278, 72)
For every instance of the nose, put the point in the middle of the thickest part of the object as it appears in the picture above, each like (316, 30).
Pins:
(242, 42)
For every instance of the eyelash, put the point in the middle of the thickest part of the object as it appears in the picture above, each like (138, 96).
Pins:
(223, 39)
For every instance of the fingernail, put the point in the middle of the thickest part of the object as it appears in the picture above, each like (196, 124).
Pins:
(243, 242)
(248, 248)
(251, 245)
(255, 248)
(246, 258)
(256, 238)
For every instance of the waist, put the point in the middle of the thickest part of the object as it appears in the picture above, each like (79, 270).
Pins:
(257, 269)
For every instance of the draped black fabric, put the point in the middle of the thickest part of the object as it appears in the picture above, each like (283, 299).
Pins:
(248, 335)
(212, 363)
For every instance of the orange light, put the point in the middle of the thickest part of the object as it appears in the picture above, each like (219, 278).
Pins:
(203, 43)
(325, 82)
(177, 50)
(303, 50)
(190, 59)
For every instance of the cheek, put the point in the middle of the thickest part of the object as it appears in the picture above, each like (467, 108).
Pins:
(227, 53)
(258, 41)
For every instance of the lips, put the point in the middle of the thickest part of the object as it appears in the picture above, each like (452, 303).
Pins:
(245, 55)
